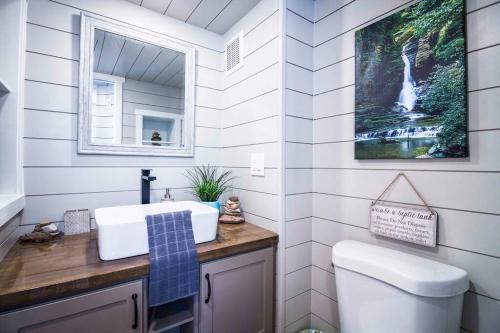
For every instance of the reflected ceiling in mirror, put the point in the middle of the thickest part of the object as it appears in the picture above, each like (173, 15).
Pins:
(139, 93)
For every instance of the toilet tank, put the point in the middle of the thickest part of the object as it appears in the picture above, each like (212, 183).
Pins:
(381, 290)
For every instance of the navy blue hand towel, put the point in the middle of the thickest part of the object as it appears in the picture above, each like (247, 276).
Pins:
(174, 266)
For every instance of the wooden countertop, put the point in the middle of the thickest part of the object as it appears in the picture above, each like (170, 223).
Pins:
(35, 273)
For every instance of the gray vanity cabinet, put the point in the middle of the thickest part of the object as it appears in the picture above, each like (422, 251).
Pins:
(237, 294)
(110, 310)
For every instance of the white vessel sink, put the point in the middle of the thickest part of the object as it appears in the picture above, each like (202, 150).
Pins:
(122, 231)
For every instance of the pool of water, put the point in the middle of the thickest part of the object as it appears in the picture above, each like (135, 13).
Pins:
(404, 148)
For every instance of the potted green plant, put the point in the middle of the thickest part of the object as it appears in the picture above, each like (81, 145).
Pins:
(208, 184)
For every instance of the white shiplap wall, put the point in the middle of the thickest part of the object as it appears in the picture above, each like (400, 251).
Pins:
(464, 192)
(251, 120)
(57, 178)
(298, 174)
(250, 116)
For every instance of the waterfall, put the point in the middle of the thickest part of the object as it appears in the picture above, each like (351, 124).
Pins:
(401, 133)
(407, 96)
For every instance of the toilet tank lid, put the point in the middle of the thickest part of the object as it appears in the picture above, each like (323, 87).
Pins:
(416, 275)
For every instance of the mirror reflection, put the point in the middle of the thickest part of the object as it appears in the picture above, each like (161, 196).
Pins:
(138, 93)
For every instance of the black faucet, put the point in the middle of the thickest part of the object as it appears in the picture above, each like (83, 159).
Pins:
(146, 180)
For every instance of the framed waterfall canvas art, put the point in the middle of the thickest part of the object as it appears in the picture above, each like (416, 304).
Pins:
(411, 97)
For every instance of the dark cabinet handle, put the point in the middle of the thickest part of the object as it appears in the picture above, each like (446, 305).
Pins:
(207, 276)
(136, 312)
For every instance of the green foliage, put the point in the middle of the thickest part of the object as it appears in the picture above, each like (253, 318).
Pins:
(373, 119)
(419, 151)
(444, 88)
(206, 182)
(451, 50)
(431, 16)
(432, 120)
(445, 95)
(439, 18)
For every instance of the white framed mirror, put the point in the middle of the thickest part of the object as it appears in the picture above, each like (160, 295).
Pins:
(136, 91)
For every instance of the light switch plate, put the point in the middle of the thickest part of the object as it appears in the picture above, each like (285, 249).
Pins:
(257, 164)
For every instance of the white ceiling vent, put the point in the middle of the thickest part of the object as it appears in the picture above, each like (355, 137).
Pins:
(234, 53)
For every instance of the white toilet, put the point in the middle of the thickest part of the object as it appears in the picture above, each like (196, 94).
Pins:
(380, 290)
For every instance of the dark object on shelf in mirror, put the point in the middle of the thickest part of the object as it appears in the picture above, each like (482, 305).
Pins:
(156, 137)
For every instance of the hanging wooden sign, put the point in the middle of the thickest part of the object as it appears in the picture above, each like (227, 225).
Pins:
(411, 224)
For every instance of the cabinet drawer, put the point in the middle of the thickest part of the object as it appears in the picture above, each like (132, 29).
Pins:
(114, 309)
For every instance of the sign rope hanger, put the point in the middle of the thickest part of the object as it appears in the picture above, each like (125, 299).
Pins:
(402, 174)
(404, 223)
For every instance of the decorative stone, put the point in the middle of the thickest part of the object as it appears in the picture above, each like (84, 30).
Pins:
(238, 213)
(232, 211)
(232, 205)
(231, 219)
(43, 232)
(36, 237)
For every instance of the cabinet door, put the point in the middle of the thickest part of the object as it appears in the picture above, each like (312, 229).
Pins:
(115, 309)
(237, 293)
